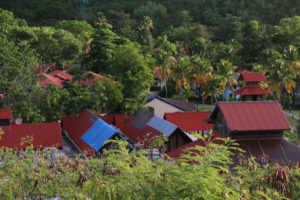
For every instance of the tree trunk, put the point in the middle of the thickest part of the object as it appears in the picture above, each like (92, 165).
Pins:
(202, 103)
(166, 88)
(211, 100)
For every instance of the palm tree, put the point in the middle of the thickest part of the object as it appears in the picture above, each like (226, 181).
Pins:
(164, 52)
(282, 70)
(212, 88)
(181, 73)
(201, 72)
(226, 70)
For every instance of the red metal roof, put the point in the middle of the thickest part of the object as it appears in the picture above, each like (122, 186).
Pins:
(61, 75)
(252, 77)
(43, 135)
(253, 116)
(175, 154)
(91, 82)
(115, 119)
(51, 79)
(141, 136)
(76, 128)
(189, 121)
(5, 114)
(251, 90)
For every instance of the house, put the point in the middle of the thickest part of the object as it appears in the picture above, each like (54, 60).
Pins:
(89, 78)
(61, 75)
(89, 133)
(161, 105)
(190, 121)
(257, 126)
(20, 136)
(252, 90)
(46, 79)
(144, 126)
(177, 153)
(5, 117)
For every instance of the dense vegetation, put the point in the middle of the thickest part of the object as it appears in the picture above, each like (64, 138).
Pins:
(195, 45)
(122, 174)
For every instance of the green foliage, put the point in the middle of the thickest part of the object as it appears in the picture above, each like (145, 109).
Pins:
(102, 48)
(131, 69)
(125, 174)
(80, 29)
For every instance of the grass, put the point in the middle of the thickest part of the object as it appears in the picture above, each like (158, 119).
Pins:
(292, 121)
(207, 107)
(295, 112)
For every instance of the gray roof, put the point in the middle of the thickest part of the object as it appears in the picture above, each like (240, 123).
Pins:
(180, 103)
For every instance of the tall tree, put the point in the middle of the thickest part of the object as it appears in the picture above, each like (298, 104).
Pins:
(102, 48)
(131, 69)
(163, 53)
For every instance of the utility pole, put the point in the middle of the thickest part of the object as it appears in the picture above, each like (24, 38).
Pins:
(82, 4)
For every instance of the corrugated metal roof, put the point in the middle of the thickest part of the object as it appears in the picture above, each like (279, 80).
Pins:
(251, 90)
(142, 136)
(162, 125)
(253, 116)
(76, 127)
(252, 77)
(278, 149)
(189, 121)
(175, 154)
(98, 133)
(5, 114)
(91, 82)
(141, 117)
(50, 79)
(43, 135)
(62, 75)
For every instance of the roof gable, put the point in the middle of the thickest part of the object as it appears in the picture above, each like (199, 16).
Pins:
(251, 90)
(50, 79)
(252, 77)
(189, 121)
(62, 75)
(252, 116)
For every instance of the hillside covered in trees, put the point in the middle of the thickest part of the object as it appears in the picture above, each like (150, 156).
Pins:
(194, 44)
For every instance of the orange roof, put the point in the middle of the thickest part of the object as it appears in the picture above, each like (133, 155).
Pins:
(61, 75)
(43, 135)
(252, 77)
(189, 121)
(51, 79)
(251, 90)
(5, 114)
(90, 82)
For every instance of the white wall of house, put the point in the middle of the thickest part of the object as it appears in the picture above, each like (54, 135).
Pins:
(160, 107)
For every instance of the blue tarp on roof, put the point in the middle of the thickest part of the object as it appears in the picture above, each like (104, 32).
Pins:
(98, 134)
(162, 125)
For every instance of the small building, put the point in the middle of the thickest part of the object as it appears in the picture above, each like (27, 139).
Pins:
(5, 117)
(20, 136)
(177, 153)
(252, 90)
(46, 79)
(257, 126)
(89, 133)
(144, 126)
(89, 78)
(161, 105)
(192, 122)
